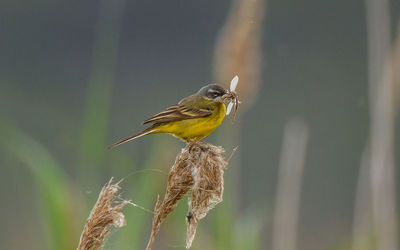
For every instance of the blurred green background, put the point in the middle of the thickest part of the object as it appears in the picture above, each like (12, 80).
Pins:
(76, 76)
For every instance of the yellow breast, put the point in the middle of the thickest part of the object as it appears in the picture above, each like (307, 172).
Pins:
(197, 128)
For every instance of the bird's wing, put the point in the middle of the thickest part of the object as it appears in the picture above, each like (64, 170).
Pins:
(182, 111)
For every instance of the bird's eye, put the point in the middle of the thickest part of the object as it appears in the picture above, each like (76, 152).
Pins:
(213, 94)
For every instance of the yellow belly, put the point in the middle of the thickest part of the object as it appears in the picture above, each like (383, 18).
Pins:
(194, 129)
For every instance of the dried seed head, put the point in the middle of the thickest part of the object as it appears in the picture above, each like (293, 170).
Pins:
(198, 168)
(208, 186)
(105, 213)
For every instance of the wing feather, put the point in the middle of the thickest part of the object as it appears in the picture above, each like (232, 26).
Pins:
(177, 113)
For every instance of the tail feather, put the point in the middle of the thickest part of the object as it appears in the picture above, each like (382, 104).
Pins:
(132, 137)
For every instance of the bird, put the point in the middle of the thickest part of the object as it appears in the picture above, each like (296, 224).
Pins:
(193, 118)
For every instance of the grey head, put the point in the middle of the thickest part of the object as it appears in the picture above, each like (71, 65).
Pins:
(212, 91)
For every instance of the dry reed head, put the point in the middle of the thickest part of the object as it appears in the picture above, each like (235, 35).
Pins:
(105, 214)
(207, 172)
(238, 48)
(198, 168)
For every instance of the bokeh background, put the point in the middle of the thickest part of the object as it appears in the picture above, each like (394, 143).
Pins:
(318, 129)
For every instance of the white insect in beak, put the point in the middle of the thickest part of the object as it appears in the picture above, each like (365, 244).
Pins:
(232, 88)
(229, 108)
(234, 83)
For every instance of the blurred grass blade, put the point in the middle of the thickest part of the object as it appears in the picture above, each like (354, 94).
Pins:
(247, 229)
(51, 185)
(96, 113)
(223, 221)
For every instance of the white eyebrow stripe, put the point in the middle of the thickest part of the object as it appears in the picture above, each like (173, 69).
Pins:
(213, 91)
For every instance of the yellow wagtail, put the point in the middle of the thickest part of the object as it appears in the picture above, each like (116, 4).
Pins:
(194, 117)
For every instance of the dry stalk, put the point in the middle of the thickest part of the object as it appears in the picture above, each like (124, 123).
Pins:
(382, 126)
(291, 168)
(394, 65)
(198, 168)
(362, 224)
(238, 48)
(105, 214)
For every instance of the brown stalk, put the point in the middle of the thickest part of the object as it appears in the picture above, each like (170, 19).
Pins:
(291, 168)
(394, 64)
(382, 126)
(105, 214)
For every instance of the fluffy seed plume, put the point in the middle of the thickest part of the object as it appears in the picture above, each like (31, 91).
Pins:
(105, 214)
(199, 168)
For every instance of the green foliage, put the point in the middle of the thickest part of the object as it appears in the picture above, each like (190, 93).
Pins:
(247, 229)
(97, 109)
(52, 186)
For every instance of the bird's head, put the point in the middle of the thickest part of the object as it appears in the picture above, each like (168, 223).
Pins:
(212, 91)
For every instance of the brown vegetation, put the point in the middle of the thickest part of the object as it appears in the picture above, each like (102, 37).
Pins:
(198, 168)
(105, 214)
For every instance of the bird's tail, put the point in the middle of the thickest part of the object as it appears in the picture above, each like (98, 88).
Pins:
(147, 131)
